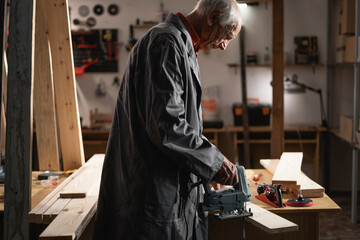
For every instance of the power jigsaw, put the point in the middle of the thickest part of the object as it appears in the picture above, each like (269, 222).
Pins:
(230, 201)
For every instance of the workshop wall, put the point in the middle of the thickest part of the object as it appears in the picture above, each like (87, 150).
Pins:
(300, 20)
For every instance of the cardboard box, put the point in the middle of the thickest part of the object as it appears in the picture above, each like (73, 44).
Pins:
(350, 49)
(346, 127)
(348, 17)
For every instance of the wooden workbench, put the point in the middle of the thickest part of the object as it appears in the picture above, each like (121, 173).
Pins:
(38, 191)
(307, 218)
(294, 135)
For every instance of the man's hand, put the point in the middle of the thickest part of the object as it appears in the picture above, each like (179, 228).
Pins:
(227, 175)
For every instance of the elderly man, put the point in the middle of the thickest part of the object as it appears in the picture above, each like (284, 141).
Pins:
(156, 153)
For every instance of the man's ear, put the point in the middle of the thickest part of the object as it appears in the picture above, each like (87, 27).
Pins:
(213, 17)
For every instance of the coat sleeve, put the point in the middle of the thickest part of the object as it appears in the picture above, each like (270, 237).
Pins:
(166, 115)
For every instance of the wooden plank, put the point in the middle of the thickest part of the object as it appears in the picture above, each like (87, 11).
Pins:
(37, 214)
(84, 182)
(58, 29)
(72, 221)
(55, 210)
(44, 102)
(19, 120)
(288, 169)
(309, 188)
(268, 221)
(3, 72)
(277, 134)
(3, 130)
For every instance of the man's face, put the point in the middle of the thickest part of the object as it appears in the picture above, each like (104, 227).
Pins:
(217, 37)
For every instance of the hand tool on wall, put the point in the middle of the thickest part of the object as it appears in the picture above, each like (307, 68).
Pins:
(132, 41)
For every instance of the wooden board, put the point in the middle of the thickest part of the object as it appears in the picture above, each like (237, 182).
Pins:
(19, 120)
(84, 182)
(268, 221)
(55, 210)
(49, 207)
(72, 221)
(308, 187)
(288, 169)
(58, 29)
(44, 102)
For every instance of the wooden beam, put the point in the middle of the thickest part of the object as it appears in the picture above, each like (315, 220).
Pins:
(3, 73)
(245, 115)
(44, 102)
(19, 124)
(288, 169)
(277, 134)
(58, 29)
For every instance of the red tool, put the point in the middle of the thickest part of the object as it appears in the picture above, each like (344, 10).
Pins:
(256, 177)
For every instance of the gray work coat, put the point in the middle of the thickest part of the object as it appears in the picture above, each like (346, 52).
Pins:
(156, 151)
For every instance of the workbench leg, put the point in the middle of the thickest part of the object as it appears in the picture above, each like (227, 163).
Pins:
(236, 148)
(316, 157)
(232, 229)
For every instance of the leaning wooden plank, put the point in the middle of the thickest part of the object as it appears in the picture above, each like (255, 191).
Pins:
(289, 168)
(19, 120)
(83, 183)
(308, 187)
(44, 102)
(58, 28)
(36, 215)
(268, 221)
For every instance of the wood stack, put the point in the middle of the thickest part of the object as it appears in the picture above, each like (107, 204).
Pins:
(308, 187)
(69, 208)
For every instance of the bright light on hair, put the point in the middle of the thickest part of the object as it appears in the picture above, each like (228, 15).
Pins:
(242, 5)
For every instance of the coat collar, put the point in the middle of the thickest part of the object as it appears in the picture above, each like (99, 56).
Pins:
(173, 19)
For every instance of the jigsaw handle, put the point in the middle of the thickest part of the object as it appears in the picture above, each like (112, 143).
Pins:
(243, 185)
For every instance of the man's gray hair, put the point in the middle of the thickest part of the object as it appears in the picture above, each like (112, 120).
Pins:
(229, 11)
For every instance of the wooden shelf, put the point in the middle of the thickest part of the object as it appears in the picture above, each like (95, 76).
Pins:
(336, 133)
(289, 128)
(345, 64)
(234, 65)
(143, 26)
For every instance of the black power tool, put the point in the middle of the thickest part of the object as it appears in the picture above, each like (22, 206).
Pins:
(272, 192)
